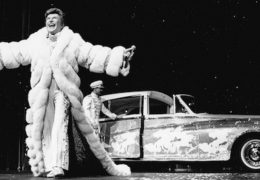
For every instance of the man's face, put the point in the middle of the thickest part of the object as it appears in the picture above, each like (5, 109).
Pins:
(53, 23)
(98, 91)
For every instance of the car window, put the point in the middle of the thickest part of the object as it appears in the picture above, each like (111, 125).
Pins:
(127, 106)
(158, 107)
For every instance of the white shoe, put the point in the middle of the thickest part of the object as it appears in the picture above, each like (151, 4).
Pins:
(56, 172)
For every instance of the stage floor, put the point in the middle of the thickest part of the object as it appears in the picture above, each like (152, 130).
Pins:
(145, 176)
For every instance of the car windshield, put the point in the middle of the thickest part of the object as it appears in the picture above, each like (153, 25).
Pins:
(193, 103)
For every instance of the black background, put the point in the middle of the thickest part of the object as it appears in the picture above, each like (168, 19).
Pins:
(207, 48)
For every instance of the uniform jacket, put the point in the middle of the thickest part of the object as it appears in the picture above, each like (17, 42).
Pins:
(70, 52)
(92, 106)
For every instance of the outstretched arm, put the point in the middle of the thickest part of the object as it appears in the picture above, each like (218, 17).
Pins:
(100, 59)
(127, 56)
(14, 54)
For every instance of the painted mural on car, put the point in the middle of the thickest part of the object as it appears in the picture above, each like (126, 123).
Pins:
(159, 127)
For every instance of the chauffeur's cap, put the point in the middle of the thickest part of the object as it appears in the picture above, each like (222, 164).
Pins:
(97, 84)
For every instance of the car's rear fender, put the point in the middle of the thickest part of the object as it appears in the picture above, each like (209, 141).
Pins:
(237, 142)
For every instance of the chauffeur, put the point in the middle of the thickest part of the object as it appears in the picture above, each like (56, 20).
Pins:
(92, 105)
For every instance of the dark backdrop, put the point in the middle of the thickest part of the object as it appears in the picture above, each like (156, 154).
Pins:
(207, 48)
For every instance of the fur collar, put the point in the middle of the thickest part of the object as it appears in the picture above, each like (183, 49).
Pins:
(65, 37)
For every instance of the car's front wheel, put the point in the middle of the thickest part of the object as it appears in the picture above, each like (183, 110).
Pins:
(249, 154)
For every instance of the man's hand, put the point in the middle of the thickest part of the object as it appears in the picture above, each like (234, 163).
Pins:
(128, 54)
(120, 116)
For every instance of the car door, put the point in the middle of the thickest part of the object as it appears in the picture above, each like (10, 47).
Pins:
(216, 136)
(169, 136)
(121, 137)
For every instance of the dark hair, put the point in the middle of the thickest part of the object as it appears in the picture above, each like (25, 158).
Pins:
(55, 11)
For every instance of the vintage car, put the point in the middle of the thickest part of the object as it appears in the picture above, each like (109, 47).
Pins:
(157, 127)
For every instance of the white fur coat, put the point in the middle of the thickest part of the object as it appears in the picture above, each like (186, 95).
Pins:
(62, 65)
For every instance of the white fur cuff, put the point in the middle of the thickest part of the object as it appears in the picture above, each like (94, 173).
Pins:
(115, 61)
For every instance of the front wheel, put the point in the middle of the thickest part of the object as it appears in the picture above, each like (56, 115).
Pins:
(249, 154)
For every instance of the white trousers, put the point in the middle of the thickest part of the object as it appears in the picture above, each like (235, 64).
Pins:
(55, 142)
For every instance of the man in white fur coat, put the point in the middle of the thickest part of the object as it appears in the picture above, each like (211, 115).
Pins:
(54, 53)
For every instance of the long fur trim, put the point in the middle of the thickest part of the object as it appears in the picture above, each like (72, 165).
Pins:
(29, 118)
(70, 73)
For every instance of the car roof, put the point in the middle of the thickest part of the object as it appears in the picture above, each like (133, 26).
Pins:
(153, 94)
